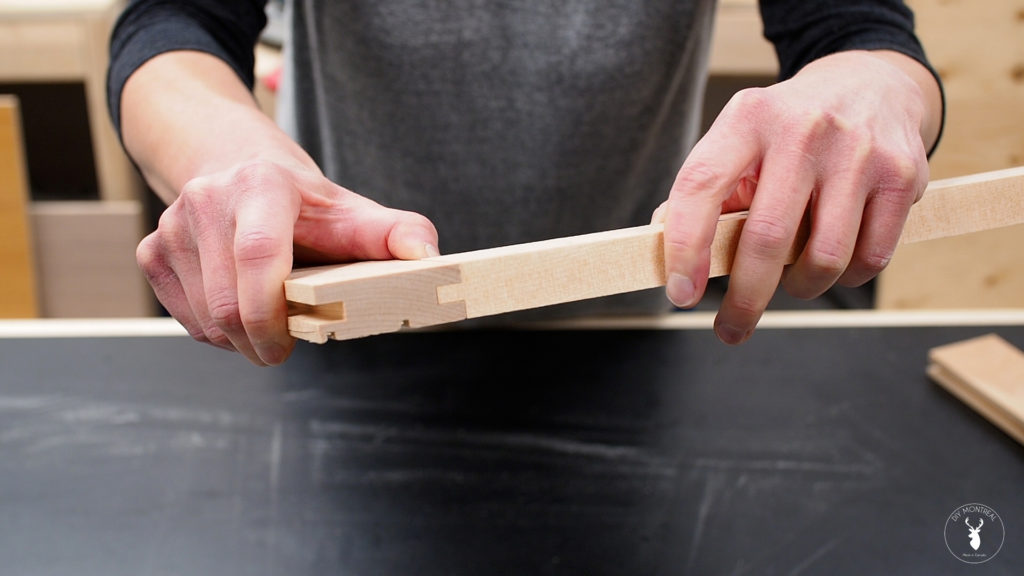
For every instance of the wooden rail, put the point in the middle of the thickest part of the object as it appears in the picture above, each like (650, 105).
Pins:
(365, 298)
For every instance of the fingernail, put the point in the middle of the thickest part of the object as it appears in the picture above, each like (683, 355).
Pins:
(731, 334)
(431, 250)
(659, 214)
(680, 290)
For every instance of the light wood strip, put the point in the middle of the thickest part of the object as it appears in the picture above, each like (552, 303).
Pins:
(537, 274)
(99, 327)
(986, 373)
(795, 319)
(102, 327)
(957, 206)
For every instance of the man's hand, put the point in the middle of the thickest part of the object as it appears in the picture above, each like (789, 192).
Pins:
(242, 198)
(219, 258)
(842, 142)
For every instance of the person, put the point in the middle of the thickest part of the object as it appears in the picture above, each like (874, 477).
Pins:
(406, 127)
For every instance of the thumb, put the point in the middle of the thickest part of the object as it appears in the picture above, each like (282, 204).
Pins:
(353, 227)
(413, 237)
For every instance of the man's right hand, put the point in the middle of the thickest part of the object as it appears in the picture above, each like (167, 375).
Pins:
(244, 201)
(219, 258)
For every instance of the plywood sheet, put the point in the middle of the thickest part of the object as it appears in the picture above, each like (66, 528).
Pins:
(17, 271)
(978, 49)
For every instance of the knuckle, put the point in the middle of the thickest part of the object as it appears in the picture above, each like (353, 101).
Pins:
(205, 197)
(256, 175)
(906, 170)
(147, 254)
(195, 193)
(224, 312)
(254, 246)
(874, 262)
(679, 244)
(204, 334)
(198, 334)
(901, 174)
(767, 232)
(754, 100)
(700, 176)
(828, 259)
(745, 307)
(171, 227)
(197, 200)
(153, 265)
(216, 337)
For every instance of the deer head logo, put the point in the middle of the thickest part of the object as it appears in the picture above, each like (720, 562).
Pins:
(971, 550)
(974, 532)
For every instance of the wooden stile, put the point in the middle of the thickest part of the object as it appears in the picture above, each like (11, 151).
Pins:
(366, 298)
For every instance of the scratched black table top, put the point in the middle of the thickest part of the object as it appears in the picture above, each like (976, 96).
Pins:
(804, 451)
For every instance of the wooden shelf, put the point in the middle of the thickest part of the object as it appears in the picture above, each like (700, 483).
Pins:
(51, 41)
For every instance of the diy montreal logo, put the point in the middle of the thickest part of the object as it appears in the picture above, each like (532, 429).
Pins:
(974, 533)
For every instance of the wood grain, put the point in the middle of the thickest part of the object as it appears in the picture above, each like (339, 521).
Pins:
(383, 296)
(967, 204)
(987, 374)
(17, 271)
(366, 298)
(978, 50)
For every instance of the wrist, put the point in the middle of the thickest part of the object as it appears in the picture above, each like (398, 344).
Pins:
(187, 115)
(929, 93)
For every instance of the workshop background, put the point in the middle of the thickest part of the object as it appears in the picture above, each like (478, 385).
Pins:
(73, 208)
(836, 442)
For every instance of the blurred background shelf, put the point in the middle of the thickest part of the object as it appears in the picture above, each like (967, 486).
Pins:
(82, 207)
(84, 197)
(53, 55)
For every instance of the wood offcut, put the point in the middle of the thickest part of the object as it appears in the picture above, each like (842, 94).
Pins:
(987, 374)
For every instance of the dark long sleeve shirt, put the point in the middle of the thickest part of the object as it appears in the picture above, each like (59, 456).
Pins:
(503, 122)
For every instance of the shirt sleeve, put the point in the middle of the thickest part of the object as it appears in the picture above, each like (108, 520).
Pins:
(146, 28)
(803, 31)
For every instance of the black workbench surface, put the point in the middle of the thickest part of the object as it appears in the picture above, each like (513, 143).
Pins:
(804, 451)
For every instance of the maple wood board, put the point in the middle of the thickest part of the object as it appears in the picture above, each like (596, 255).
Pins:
(967, 204)
(987, 374)
(366, 298)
